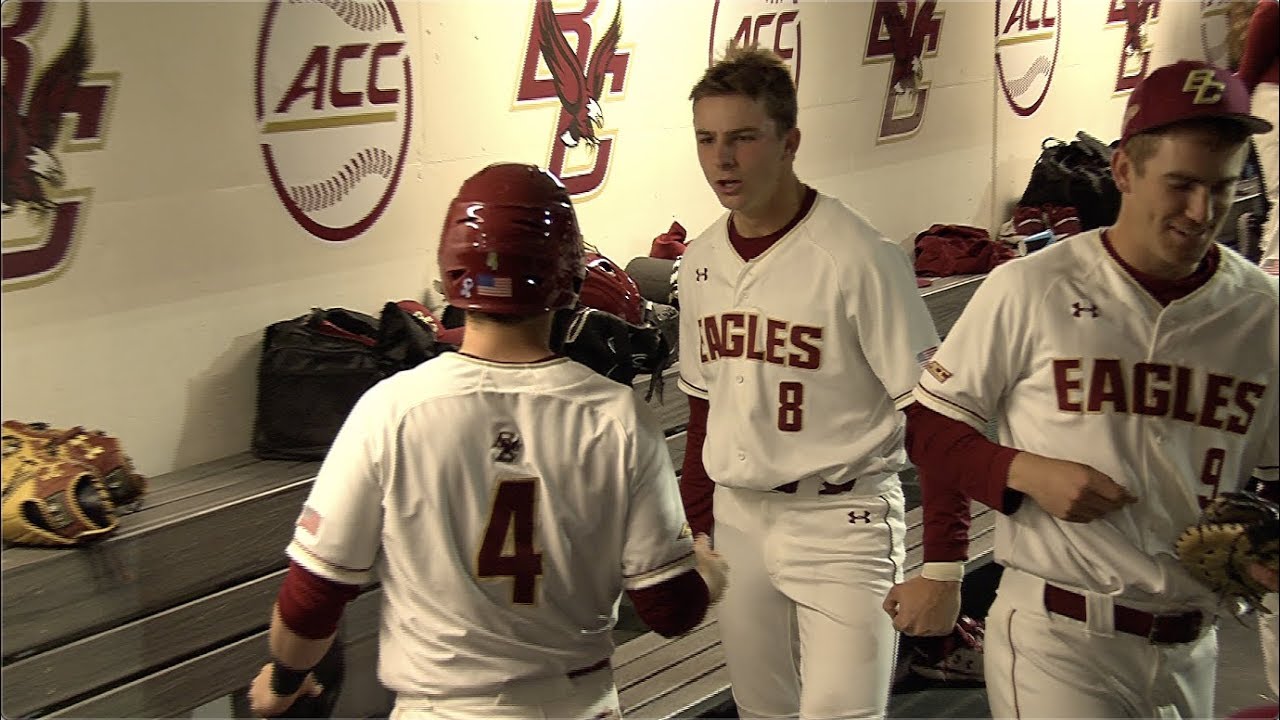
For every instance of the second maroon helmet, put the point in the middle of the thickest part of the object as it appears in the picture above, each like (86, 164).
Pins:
(511, 244)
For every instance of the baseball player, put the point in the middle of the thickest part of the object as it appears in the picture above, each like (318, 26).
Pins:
(505, 496)
(1133, 373)
(802, 334)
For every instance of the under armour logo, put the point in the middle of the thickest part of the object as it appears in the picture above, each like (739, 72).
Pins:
(1205, 85)
(1077, 309)
(855, 518)
(700, 274)
(506, 447)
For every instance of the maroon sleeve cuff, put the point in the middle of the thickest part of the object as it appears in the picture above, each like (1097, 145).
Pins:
(696, 487)
(673, 607)
(310, 605)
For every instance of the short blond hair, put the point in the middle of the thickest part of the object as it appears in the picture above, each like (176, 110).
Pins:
(1142, 147)
(756, 73)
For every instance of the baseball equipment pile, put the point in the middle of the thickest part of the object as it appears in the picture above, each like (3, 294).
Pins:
(1234, 531)
(613, 347)
(64, 487)
(1075, 174)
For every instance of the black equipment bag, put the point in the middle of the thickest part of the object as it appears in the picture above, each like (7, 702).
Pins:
(1075, 174)
(316, 366)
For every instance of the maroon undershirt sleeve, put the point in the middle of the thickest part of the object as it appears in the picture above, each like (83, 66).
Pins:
(673, 607)
(1262, 41)
(310, 605)
(696, 487)
(955, 462)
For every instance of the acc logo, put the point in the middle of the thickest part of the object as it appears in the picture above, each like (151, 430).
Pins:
(556, 70)
(53, 106)
(1027, 38)
(334, 104)
(903, 33)
(1135, 16)
(757, 23)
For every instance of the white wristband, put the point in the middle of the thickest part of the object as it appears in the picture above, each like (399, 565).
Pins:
(945, 571)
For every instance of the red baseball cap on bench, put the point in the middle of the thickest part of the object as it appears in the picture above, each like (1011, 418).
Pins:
(1188, 90)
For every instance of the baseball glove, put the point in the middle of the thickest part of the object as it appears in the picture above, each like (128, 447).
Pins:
(63, 487)
(1234, 531)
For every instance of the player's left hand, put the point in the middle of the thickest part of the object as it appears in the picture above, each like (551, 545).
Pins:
(266, 703)
(924, 607)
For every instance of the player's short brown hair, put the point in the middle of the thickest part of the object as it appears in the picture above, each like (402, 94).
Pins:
(505, 319)
(1142, 147)
(756, 73)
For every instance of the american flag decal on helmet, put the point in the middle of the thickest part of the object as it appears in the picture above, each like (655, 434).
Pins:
(493, 286)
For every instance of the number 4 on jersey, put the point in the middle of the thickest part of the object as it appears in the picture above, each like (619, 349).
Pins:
(507, 548)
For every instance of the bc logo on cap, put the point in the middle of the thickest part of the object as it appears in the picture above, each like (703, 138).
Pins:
(1207, 88)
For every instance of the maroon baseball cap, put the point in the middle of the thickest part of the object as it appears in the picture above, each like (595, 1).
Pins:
(1188, 90)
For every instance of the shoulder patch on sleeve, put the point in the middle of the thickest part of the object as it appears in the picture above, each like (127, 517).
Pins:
(940, 373)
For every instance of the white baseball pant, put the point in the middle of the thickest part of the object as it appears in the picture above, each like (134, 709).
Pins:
(801, 620)
(592, 696)
(1040, 664)
(1267, 632)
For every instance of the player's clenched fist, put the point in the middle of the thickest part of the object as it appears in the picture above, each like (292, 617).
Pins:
(1067, 490)
(924, 607)
(713, 568)
(265, 702)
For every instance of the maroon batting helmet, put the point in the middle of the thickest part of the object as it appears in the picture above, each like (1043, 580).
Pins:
(609, 288)
(511, 244)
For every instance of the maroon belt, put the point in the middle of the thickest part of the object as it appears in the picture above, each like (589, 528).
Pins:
(826, 489)
(588, 669)
(1159, 629)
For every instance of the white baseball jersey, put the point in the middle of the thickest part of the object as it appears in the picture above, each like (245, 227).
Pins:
(808, 351)
(1174, 403)
(504, 507)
